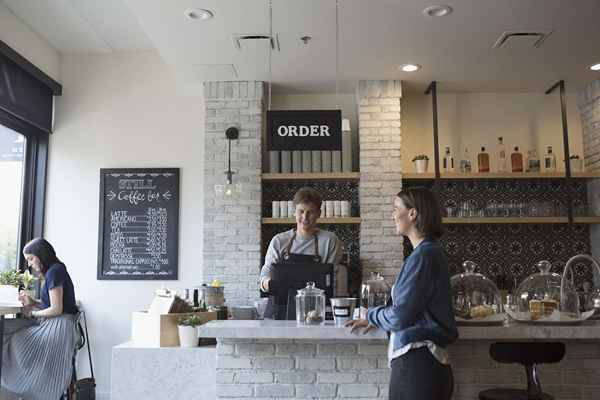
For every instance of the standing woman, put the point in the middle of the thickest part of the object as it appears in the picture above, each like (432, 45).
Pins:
(420, 316)
(37, 358)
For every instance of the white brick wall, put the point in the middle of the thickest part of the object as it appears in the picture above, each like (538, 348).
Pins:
(350, 370)
(589, 108)
(381, 175)
(232, 226)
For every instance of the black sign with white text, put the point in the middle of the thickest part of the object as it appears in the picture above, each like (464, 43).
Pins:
(139, 223)
(304, 130)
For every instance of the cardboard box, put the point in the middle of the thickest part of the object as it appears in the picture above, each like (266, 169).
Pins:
(160, 330)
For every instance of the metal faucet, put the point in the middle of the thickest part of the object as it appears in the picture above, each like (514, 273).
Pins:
(573, 259)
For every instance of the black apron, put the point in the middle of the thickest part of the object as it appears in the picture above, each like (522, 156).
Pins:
(283, 307)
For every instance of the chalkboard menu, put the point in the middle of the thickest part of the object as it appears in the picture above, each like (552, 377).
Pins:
(139, 223)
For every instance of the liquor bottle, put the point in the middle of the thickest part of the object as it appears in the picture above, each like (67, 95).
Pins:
(533, 162)
(483, 161)
(550, 160)
(465, 162)
(501, 154)
(448, 161)
(516, 160)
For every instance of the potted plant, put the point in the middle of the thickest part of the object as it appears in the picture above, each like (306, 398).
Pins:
(188, 330)
(576, 163)
(421, 163)
(10, 280)
(27, 280)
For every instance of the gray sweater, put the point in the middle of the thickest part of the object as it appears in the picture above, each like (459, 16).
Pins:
(330, 250)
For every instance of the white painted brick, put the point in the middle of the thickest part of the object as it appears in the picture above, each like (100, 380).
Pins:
(274, 363)
(336, 349)
(296, 349)
(224, 377)
(358, 390)
(234, 390)
(254, 377)
(322, 364)
(372, 349)
(296, 376)
(356, 363)
(315, 391)
(375, 377)
(233, 362)
(254, 349)
(275, 390)
(336, 377)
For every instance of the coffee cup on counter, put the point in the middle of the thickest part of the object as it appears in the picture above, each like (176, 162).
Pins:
(343, 309)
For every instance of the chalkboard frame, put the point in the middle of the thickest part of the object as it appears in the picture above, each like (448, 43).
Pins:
(101, 226)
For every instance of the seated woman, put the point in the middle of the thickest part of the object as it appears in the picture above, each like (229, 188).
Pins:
(37, 358)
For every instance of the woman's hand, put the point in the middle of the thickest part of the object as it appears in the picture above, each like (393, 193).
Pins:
(360, 323)
(25, 299)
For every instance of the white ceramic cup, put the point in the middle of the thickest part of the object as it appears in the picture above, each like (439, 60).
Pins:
(345, 208)
(337, 208)
(291, 209)
(329, 209)
(283, 209)
(275, 209)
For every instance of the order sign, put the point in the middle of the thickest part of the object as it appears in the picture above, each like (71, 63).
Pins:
(304, 130)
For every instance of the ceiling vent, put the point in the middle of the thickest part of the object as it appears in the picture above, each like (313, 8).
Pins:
(240, 39)
(521, 39)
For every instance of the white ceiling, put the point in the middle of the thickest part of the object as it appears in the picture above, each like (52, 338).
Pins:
(376, 36)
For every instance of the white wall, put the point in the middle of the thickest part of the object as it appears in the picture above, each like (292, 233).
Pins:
(527, 120)
(24, 41)
(120, 111)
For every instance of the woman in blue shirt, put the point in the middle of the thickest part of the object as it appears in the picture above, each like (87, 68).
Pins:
(37, 358)
(419, 316)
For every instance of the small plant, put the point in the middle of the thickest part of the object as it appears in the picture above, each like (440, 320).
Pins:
(27, 279)
(191, 320)
(10, 277)
(420, 157)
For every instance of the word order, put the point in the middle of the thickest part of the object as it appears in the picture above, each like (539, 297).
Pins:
(303, 130)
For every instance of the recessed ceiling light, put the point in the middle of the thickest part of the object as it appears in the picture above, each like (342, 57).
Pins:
(198, 13)
(410, 67)
(437, 11)
(595, 67)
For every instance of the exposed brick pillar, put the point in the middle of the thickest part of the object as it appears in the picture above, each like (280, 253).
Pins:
(232, 226)
(380, 175)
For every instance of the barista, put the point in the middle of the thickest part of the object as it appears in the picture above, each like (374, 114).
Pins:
(306, 243)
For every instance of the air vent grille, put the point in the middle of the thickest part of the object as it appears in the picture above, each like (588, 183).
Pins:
(239, 39)
(534, 38)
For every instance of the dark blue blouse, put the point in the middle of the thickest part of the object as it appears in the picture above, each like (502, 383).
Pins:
(57, 276)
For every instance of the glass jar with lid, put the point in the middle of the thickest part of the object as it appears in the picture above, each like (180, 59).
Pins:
(474, 296)
(539, 295)
(310, 305)
(374, 292)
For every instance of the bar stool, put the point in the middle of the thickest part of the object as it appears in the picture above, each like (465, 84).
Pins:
(528, 355)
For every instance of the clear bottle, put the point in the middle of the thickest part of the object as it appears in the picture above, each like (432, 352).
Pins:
(516, 160)
(448, 161)
(550, 160)
(483, 161)
(465, 162)
(501, 154)
(533, 161)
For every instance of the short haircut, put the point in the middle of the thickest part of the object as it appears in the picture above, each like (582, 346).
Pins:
(308, 195)
(429, 216)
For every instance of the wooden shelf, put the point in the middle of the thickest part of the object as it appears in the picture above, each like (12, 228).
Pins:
(503, 175)
(324, 176)
(288, 221)
(415, 176)
(586, 220)
(507, 220)
(587, 174)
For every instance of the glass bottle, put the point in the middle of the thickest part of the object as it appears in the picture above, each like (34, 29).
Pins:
(501, 153)
(533, 162)
(516, 160)
(550, 160)
(448, 161)
(465, 162)
(483, 161)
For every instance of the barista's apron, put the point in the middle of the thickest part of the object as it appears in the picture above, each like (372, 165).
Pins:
(277, 305)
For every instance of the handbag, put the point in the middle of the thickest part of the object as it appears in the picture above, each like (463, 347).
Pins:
(85, 389)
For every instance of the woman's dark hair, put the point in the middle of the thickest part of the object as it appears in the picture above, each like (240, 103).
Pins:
(308, 195)
(41, 248)
(429, 216)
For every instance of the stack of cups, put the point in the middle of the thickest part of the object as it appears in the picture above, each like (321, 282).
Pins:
(282, 209)
(335, 208)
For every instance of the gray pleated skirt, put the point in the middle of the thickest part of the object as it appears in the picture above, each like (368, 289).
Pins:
(36, 362)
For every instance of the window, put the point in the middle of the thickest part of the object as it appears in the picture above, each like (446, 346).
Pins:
(12, 159)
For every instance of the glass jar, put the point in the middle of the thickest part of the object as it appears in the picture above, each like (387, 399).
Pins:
(374, 292)
(474, 296)
(539, 295)
(310, 305)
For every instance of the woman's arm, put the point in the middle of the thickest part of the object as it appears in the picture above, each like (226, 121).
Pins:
(412, 292)
(56, 304)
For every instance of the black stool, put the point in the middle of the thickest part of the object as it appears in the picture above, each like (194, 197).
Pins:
(529, 355)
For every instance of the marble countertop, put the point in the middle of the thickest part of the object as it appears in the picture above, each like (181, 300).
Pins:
(269, 329)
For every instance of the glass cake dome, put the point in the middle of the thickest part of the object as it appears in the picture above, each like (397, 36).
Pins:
(539, 294)
(474, 296)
